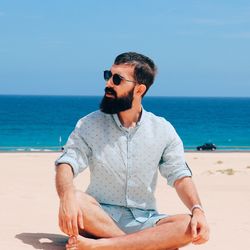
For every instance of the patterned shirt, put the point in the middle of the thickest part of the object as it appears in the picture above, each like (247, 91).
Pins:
(124, 162)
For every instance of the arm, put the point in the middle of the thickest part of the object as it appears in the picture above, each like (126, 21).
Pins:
(189, 196)
(70, 215)
(73, 161)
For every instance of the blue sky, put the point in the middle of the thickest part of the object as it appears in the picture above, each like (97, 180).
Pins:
(201, 48)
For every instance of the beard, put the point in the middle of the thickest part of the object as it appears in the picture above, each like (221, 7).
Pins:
(116, 104)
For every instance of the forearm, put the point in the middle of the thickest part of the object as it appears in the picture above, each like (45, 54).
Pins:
(189, 195)
(70, 216)
(187, 192)
(64, 179)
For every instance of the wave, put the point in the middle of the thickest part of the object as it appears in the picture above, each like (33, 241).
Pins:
(30, 149)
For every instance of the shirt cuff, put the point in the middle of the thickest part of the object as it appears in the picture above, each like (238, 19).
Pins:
(184, 173)
(68, 160)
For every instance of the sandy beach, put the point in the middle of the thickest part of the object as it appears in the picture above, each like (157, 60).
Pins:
(29, 203)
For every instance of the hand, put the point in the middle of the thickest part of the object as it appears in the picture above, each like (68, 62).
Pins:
(199, 227)
(70, 214)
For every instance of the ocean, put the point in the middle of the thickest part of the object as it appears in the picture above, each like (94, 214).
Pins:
(35, 123)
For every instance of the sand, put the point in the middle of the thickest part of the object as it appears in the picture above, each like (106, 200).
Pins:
(29, 203)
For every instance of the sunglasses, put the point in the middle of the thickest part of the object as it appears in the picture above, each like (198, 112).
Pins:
(107, 74)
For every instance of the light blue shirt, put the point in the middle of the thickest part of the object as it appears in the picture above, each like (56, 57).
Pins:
(124, 162)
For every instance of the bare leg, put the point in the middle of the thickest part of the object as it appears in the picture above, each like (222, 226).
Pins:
(169, 234)
(96, 221)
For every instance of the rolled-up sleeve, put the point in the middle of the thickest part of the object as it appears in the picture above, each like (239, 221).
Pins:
(76, 151)
(172, 165)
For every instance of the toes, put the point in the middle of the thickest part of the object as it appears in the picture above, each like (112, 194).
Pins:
(71, 247)
(72, 243)
(72, 240)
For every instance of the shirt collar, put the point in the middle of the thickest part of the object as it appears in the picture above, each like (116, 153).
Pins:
(117, 120)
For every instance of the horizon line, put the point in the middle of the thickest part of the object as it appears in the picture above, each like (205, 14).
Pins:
(168, 96)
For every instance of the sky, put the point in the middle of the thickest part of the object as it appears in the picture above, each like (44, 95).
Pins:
(201, 48)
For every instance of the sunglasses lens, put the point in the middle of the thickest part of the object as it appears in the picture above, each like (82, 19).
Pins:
(107, 75)
(116, 79)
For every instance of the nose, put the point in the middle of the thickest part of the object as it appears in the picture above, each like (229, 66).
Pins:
(110, 83)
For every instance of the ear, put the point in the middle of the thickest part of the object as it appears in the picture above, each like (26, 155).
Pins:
(140, 90)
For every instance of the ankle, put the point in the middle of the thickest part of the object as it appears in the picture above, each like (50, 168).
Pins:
(103, 243)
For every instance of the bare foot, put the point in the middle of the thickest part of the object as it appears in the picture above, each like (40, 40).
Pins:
(81, 243)
(72, 243)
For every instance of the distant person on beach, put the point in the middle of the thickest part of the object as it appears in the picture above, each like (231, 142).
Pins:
(124, 146)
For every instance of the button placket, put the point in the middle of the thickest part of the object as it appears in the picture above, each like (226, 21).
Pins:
(129, 166)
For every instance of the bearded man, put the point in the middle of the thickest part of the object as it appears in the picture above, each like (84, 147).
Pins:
(124, 146)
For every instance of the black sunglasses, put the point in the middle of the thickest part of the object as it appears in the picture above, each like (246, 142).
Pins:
(116, 78)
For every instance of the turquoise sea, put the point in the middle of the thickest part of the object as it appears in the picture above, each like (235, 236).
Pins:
(45, 122)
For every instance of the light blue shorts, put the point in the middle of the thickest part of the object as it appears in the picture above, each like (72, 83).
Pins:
(132, 220)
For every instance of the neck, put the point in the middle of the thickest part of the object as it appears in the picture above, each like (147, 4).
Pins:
(129, 118)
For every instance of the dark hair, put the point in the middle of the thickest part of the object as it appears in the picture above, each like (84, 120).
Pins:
(145, 69)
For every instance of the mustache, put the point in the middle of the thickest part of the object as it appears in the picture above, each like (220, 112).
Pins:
(110, 91)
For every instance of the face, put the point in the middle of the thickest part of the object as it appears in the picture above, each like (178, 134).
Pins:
(120, 97)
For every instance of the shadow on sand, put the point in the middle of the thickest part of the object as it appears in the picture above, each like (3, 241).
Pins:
(43, 240)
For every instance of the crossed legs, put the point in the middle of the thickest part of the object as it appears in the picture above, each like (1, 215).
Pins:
(97, 222)
(169, 234)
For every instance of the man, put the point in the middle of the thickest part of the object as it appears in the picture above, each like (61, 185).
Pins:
(124, 146)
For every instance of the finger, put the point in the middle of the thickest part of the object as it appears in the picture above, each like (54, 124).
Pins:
(75, 227)
(202, 232)
(69, 227)
(199, 241)
(60, 224)
(195, 240)
(205, 237)
(194, 228)
(59, 220)
(64, 226)
(80, 219)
